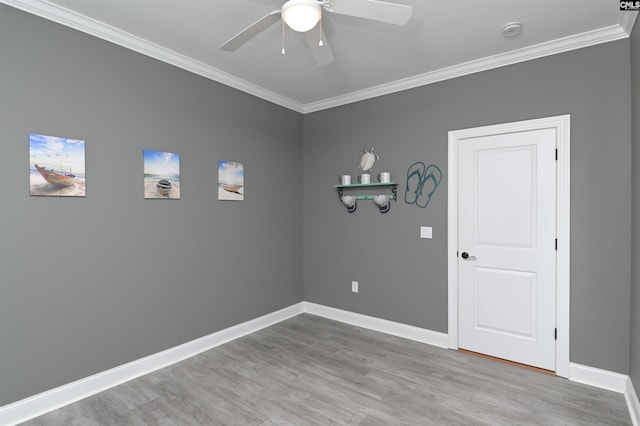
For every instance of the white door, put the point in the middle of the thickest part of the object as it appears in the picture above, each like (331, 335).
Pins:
(507, 246)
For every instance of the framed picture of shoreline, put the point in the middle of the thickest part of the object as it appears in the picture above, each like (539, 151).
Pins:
(56, 166)
(230, 180)
(161, 175)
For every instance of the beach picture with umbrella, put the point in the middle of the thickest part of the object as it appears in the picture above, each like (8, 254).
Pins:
(56, 166)
(230, 180)
(161, 174)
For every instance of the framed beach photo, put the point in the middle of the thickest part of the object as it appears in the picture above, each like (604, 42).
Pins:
(230, 180)
(56, 166)
(161, 175)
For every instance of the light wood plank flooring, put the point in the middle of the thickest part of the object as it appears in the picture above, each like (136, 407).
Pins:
(313, 371)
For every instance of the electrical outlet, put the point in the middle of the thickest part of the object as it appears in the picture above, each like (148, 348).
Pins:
(354, 286)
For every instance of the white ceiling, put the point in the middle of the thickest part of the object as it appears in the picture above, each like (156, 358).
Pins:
(443, 39)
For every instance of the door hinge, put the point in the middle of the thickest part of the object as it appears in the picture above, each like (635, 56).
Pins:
(556, 154)
(556, 244)
(555, 334)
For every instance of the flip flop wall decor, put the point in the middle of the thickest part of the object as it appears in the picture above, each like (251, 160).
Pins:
(422, 182)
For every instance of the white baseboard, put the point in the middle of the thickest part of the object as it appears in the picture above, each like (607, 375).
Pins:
(608, 380)
(631, 397)
(50, 400)
(602, 379)
(422, 335)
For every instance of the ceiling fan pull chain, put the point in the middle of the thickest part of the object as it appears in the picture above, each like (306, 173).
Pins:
(283, 52)
(320, 43)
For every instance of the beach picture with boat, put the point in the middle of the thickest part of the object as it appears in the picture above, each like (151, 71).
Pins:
(161, 174)
(56, 166)
(230, 180)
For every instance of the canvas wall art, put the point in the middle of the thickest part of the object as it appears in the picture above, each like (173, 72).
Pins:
(161, 175)
(230, 180)
(56, 166)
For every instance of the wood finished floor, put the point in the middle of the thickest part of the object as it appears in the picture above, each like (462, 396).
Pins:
(313, 371)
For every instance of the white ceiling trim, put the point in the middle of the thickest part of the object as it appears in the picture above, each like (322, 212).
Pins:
(79, 22)
(627, 21)
(590, 38)
(106, 32)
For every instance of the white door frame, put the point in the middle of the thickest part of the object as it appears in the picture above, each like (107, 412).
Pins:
(561, 124)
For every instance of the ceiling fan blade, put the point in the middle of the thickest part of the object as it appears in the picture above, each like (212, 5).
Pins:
(375, 10)
(323, 54)
(251, 31)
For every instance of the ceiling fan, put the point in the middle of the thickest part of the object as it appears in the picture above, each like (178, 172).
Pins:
(306, 15)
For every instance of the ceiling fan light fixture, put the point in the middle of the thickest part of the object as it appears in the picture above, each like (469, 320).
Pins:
(301, 15)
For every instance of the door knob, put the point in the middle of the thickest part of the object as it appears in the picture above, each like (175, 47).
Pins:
(466, 256)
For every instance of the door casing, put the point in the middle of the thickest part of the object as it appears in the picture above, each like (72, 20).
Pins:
(561, 125)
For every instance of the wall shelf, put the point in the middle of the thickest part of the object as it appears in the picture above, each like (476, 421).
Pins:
(392, 186)
(350, 194)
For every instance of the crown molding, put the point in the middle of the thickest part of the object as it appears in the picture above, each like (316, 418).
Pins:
(578, 41)
(627, 21)
(69, 18)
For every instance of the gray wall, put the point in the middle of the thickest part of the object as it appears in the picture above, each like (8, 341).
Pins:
(82, 287)
(635, 262)
(403, 278)
(87, 284)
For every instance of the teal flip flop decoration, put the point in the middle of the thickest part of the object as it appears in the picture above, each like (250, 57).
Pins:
(422, 182)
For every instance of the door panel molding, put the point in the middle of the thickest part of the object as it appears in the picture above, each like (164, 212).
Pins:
(561, 125)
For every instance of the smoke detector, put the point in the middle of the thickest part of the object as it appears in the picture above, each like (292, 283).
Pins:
(512, 29)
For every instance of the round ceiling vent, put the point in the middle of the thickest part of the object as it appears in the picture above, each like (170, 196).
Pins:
(512, 29)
